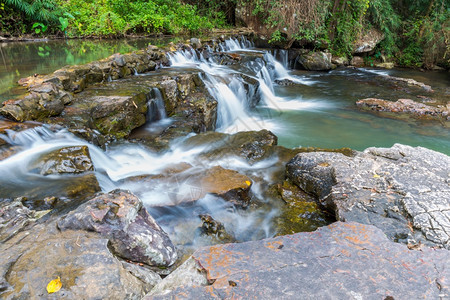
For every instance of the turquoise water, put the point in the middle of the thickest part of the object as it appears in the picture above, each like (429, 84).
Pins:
(328, 117)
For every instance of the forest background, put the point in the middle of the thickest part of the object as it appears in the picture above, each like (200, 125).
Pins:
(416, 32)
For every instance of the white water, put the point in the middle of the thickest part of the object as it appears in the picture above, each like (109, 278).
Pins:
(116, 167)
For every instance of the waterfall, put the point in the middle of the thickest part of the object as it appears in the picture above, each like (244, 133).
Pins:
(224, 86)
(156, 109)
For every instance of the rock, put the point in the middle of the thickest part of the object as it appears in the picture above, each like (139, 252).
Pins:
(346, 260)
(83, 249)
(67, 160)
(406, 106)
(215, 229)
(147, 276)
(402, 190)
(285, 82)
(357, 61)
(252, 146)
(84, 264)
(385, 65)
(368, 41)
(313, 175)
(339, 60)
(118, 115)
(44, 100)
(196, 43)
(315, 61)
(13, 218)
(132, 233)
(410, 82)
(300, 212)
(193, 184)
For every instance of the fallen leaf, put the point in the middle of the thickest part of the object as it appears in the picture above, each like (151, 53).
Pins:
(54, 285)
(248, 182)
(376, 176)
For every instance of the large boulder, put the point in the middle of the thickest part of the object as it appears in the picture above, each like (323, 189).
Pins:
(315, 61)
(367, 41)
(342, 261)
(132, 233)
(85, 249)
(402, 190)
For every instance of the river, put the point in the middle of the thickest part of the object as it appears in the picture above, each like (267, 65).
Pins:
(316, 110)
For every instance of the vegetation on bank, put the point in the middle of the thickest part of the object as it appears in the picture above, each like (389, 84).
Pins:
(417, 32)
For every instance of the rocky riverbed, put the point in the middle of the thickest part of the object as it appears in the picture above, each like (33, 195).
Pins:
(116, 211)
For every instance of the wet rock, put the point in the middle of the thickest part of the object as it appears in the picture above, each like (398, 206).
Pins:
(285, 267)
(252, 146)
(191, 184)
(410, 82)
(215, 229)
(315, 61)
(285, 82)
(368, 41)
(120, 217)
(118, 115)
(41, 102)
(402, 190)
(13, 218)
(300, 212)
(67, 160)
(406, 106)
(196, 43)
(357, 61)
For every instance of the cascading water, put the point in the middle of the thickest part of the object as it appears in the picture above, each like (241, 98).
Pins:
(156, 109)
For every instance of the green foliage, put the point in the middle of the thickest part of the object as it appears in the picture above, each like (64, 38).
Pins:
(45, 11)
(39, 27)
(117, 17)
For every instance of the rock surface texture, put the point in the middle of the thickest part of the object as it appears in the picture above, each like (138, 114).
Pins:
(408, 106)
(402, 190)
(85, 249)
(341, 261)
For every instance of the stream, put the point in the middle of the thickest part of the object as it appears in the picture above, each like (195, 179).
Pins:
(317, 109)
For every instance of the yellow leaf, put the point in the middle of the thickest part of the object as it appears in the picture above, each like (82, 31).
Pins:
(248, 182)
(54, 285)
(376, 176)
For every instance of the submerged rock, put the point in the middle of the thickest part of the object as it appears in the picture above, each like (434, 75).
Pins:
(407, 106)
(345, 260)
(402, 190)
(133, 234)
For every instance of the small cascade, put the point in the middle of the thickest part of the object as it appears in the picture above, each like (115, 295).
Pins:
(224, 86)
(282, 56)
(232, 44)
(156, 109)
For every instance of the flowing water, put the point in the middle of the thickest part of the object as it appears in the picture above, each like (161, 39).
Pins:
(316, 109)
